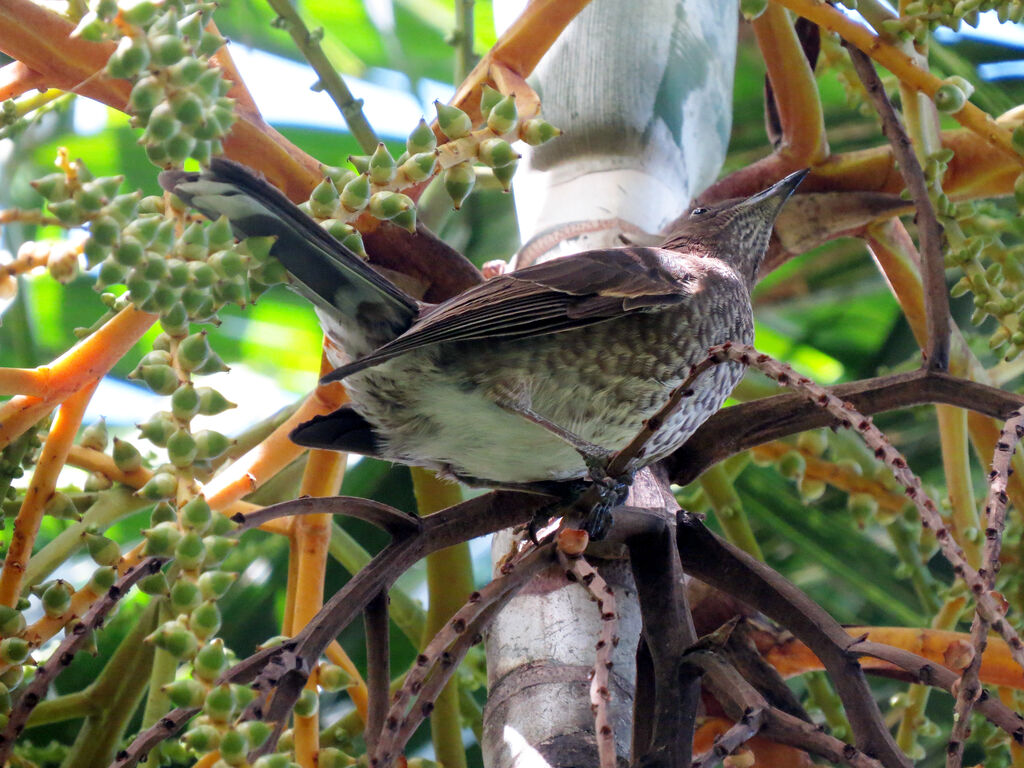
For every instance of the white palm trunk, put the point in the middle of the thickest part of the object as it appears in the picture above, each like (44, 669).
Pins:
(643, 91)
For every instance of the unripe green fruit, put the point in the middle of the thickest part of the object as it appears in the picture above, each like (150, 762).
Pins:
(162, 379)
(162, 539)
(454, 123)
(496, 153)
(356, 194)
(503, 115)
(382, 165)
(419, 167)
(175, 638)
(185, 693)
(421, 139)
(190, 551)
(193, 351)
(126, 456)
(181, 448)
(211, 660)
(949, 98)
(488, 98)
(458, 182)
(220, 703)
(56, 599)
(102, 550)
(537, 131)
(215, 584)
(102, 579)
(155, 584)
(205, 620)
(210, 444)
(13, 650)
(308, 704)
(185, 596)
(167, 50)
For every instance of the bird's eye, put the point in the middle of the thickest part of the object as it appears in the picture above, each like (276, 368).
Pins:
(698, 211)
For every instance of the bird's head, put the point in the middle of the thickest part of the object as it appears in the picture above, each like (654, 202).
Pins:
(735, 231)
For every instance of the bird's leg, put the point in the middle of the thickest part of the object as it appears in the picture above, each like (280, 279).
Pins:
(612, 490)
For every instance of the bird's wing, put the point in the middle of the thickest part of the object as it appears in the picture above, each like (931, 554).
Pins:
(325, 271)
(555, 296)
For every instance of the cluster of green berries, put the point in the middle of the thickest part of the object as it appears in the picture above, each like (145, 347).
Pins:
(15, 458)
(179, 98)
(184, 279)
(375, 185)
(920, 17)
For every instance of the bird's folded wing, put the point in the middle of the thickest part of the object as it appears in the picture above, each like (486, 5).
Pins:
(556, 296)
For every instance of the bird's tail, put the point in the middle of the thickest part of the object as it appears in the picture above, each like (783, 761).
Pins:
(347, 289)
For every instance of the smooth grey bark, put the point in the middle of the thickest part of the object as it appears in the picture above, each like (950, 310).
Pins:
(643, 91)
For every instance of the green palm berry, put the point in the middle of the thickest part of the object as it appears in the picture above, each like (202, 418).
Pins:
(67, 211)
(308, 704)
(190, 551)
(537, 131)
(211, 660)
(339, 175)
(196, 515)
(129, 251)
(102, 579)
(157, 155)
(752, 9)
(126, 456)
(356, 194)
(488, 98)
(212, 402)
(193, 351)
(145, 95)
(454, 123)
(167, 50)
(163, 512)
(179, 147)
(382, 165)
(212, 365)
(202, 738)
(191, 26)
(360, 162)
(354, 242)
(175, 638)
(209, 43)
(162, 379)
(211, 445)
(161, 486)
(12, 621)
(323, 199)
(95, 436)
(256, 732)
(949, 98)
(129, 58)
(332, 678)
(421, 139)
(215, 584)
(217, 548)
(174, 320)
(862, 507)
(220, 703)
(496, 153)
(162, 123)
(185, 402)
(13, 650)
(92, 28)
(505, 173)
(406, 219)
(181, 448)
(56, 599)
(458, 182)
(53, 187)
(228, 263)
(163, 538)
(185, 693)
(419, 167)
(158, 428)
(105, 230)
(205, 620)
(386, 205)
(792, 465)
(155, 584)
(139, 13)
(233, 747)
(503, 116)
(185, 596)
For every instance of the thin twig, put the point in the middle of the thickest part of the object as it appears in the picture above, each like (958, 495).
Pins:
(578, 569)
(969, 688)
(933, 270)
(331, 81)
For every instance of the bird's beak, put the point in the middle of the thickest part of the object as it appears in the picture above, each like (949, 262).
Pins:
(778, 193)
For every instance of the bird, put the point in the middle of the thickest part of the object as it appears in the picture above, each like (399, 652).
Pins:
(527, 379)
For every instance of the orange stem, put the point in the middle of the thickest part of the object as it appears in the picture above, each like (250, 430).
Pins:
(88, 360)
(17, 79)
(791, 657)
(311, 536)
(40, 489)
(902, 66)
(268, 458)
(796, 93)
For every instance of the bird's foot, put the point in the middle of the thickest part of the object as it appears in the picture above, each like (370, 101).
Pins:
(611, 491)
